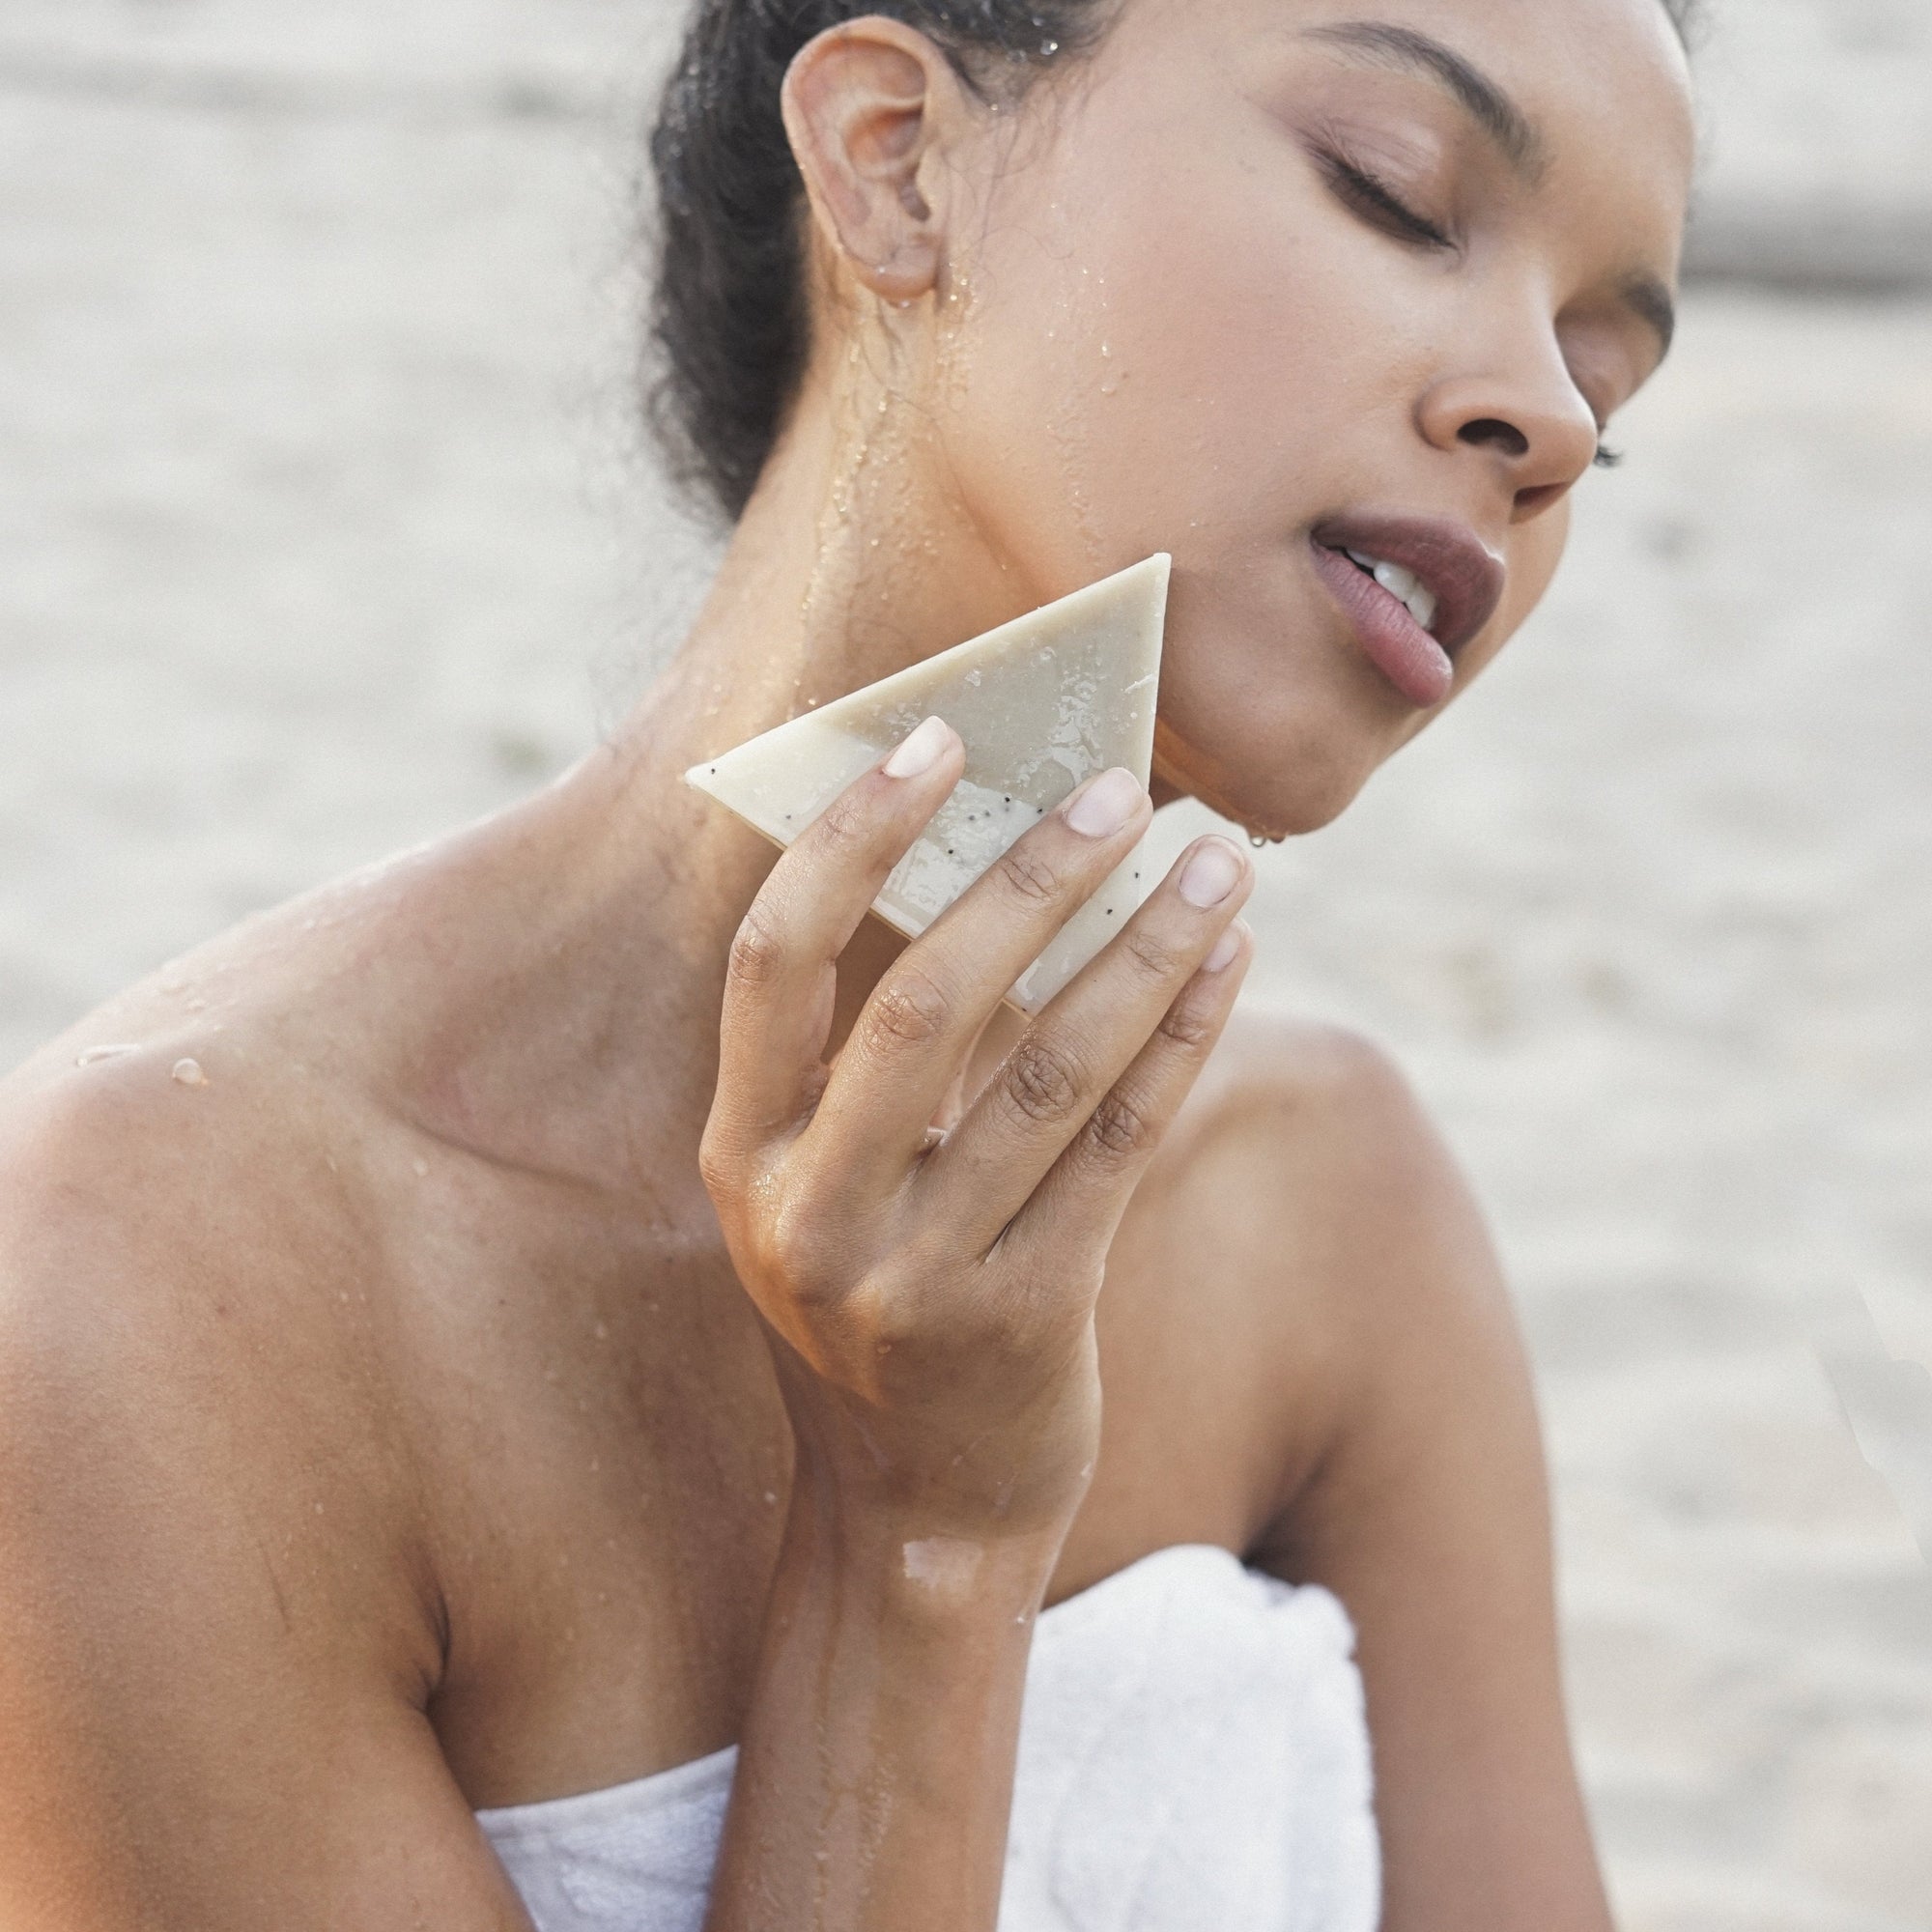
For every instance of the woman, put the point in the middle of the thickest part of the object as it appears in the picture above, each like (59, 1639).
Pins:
(445, 1373)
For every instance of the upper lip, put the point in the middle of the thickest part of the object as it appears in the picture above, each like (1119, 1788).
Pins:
(1465, 577)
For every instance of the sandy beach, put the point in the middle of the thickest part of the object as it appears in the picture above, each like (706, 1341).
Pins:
(327, 528)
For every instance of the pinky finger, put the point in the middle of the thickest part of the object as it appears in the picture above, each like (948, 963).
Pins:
(1086, 1192)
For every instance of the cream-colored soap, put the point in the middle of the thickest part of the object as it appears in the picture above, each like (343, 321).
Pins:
(1041, 705)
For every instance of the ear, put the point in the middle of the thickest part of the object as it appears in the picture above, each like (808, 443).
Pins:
(868, 106)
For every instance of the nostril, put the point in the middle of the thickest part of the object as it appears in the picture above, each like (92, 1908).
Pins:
(1493, 433)
(1531, 503)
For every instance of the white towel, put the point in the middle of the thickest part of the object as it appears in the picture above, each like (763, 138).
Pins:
(1193, 1755)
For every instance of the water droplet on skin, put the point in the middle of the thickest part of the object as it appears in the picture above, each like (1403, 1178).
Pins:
(771, 1495)
(95, 1055)
(188, 1074)
(421, 1167)
(1258, 840)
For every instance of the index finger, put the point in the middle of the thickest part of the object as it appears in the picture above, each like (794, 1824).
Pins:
(782, 979)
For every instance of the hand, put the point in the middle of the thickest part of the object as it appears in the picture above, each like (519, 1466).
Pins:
(930, 1304)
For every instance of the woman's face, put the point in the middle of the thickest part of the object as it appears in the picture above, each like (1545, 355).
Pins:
(1268, 282)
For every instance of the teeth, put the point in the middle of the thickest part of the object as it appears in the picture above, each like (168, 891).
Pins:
(1401, 584)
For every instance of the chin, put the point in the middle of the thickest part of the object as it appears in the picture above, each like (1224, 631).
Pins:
(1279, 786)
(1269, 714)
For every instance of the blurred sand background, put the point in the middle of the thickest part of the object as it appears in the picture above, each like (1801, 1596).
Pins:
(323, 528)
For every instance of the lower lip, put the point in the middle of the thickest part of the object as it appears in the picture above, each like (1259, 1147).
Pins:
(1391, 639)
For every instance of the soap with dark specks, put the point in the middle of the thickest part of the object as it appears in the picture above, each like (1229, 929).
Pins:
(1043, 704)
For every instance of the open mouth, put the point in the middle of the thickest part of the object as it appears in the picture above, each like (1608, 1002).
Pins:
(1416, 590)
(1403, 585)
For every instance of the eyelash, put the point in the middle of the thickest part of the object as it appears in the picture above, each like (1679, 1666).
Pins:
(1378, 202)
(1375, 200)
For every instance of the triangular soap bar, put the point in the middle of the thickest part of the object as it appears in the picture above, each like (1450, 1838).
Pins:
(1043, 704)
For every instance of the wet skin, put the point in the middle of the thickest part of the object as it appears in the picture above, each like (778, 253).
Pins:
(386, 1430)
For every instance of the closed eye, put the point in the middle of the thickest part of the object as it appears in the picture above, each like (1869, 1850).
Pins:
(1378, 203)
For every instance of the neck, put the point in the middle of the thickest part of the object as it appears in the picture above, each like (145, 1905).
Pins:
(627, 886)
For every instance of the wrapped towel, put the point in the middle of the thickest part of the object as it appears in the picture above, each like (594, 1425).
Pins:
(1193, 1755)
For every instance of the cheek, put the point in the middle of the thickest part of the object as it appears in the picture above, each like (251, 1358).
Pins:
(1171, 345)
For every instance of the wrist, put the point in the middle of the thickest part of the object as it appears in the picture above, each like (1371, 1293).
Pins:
(916, 1559)
(873, 1480)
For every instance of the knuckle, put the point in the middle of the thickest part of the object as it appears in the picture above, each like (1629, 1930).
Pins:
(1042, 1080)
(1189, 1028)
(815, 1292)
(792, 1248)
(1153, 955)
(1120, 1128)
(758, 949)
(891, 1320)
(908, 1010)
(1008, 1328)
(1028, 877)
(847, 823)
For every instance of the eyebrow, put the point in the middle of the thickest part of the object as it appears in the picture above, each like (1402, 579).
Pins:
(1500, 118)
(1514, 133)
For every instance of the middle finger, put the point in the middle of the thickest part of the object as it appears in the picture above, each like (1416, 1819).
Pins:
(910, 1040)
(1075, 1052)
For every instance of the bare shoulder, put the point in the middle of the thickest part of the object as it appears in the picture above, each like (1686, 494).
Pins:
(214, 1644)
(1313, 1101)
(140, 1183)
(1315, 1144)
(1304, 1225)
(176, 1401)
(1272, 1057)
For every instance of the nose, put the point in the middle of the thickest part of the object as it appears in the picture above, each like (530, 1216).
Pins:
(1528, 418)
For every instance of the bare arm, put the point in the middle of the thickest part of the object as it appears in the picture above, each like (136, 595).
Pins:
(196, 1732)
(1418, 1492)
(212, 1677)
(930, 1312)
(876, 1770)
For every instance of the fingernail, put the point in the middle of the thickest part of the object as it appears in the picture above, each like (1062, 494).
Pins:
(919, 753)
(1212, 874)
(1225, 949)
(1106, 803)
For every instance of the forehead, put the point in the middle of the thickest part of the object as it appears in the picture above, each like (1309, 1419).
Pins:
(1575, 65)
(1603, 87)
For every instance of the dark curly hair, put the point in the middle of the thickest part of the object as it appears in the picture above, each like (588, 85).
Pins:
(729, 325)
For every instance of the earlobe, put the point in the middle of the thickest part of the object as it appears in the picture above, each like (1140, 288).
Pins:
(863, 107)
